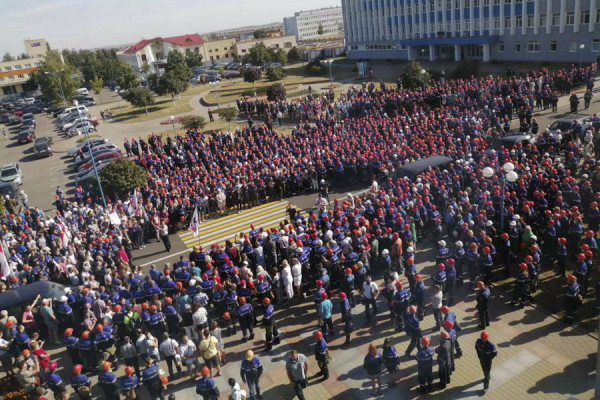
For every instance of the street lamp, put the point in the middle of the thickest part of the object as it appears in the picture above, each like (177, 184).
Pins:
(508, 174)
(172, 118)
(62, 93)
(423, 72)
(330, 74)
(89, 145)
(214, 85)
(581, 47)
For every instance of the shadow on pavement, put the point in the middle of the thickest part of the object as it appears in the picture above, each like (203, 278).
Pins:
(576, 378)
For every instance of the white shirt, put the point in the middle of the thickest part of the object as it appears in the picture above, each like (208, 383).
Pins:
(188, 350)
(370, 289)
(200, 316)
(297, 274)
(436, 300)
(286, 275)
(169, 347)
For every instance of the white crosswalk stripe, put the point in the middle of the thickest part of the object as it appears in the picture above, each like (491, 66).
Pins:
(219, 230)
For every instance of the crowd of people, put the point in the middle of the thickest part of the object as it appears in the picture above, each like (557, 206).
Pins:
(113, 312)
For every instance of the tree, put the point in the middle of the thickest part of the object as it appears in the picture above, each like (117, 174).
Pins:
(53, 75)
(7, 57)
(193, 59)
(97, 84)
(228, 114)
(145, 69)
(177, 64)
(251, 75)
(170, 83)
(314, 68)
(139, 97)
(276, 92)
(126, 77)
(275, 73)
(281, 57)
(413, 77)
(259, 54)
(340, 28)
(2, 206)
(466, 69)
(320, 29)
(23, 56)
(260, 33)
(293, 54)
(193, 123)
(122, 176)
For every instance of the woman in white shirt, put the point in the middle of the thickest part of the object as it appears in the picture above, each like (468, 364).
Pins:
(286, 278)
(297, 276)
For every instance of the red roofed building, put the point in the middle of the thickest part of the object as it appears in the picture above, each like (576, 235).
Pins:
(154, 51)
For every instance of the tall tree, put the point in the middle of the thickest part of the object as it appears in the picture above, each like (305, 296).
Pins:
(176, 63)
(139, 97)
(53, 76)
(7, 57)
(96, 84)
(193, 59)
(259, 54)
(172, 84)
(320, 29)
(260, 33)
(293, 54)
(281, 57)
(126, 77)
(414, 78)
(251, 75)
(23, 56)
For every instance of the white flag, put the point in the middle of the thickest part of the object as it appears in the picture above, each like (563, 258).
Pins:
(194, 223)
(133, 204)
(4, 267)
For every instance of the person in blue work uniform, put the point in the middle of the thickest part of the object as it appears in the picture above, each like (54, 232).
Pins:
(448, 315)
(157, 321)
(206, 386)
(346, 311)
(108, 382)
(324, 308)
(88, 353)
(439, 278)
(412, 329)
(425, 365)
(81, 384)
(72, 344)
(250, 371)
(151, 379)
(419, 295)
(401, 301)
(172, 317)
(486, 351)
(321, 355)
(55, 382)
(482, 297)
(572, 299)
(271, 331)
(347, 286)
(245, 318)
(128, 384)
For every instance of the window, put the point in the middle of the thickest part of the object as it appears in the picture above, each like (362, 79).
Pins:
(477, 25)
(572, 46)
(530, 21)
(476, 3)
(596, 45)
(496, 23)
(533, 46)
(17, 67)
(501, 46)
(20, 76)
(555, 19)
(37, 64)
(553, 45)
(507, 22)
(486, 23)
(457, 25)
(8, 68)
(448, 4)
(517, 47)
(542, 19)
(467, 25)
(496, 2)
(432, 6)
(570, 18)
(457, 4)
(585, 17)
(27, 65)
(519, 21)
(486, 2)
(11, 78)
(467, 3)
(598, 16)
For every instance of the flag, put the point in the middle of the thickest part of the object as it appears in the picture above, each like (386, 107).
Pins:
(4, 267)
(194, 222)
(134, 207)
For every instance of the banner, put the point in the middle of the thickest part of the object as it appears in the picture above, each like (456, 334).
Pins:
(134, 207)
(194, 223)
(114, 218)
(4, 267)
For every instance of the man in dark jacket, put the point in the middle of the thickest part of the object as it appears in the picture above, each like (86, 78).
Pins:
(443, 359)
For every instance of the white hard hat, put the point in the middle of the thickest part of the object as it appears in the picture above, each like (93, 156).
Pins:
(458, 244)
(385, 252)
(442, 243)
(63, 298)
(410, 250)
(489, 223)
(192, 282)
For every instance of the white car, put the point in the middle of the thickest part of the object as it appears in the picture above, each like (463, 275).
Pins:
(71, 124)
(93, 141)
(79, 129)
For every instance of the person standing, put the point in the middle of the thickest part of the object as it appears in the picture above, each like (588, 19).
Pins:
(163, 230)
(250, 371)
(425, 365)
(486, 351)
(443, 358)
(245, 317)
(206, 386)
(412, 329)
(297, 367)
(81, 383)
(129, 355)
(108, 382)
(211, 118)
(209, 347)
(151, 379)
(370, 290)
(572, 299)
(482, 297)
(321, 355)
(187, 351)
(346, 311)
(325, 307)
(373, 364)
(271, 332)
(170, 348)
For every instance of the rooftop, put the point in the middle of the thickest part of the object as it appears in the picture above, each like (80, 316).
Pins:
(183, 40)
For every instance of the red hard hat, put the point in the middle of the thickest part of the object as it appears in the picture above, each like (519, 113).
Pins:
(226, 315)
(348, 270)
(589, 233)
(319, 283)
(399, 284)
(485, 335)
(585, 247)
(523, 266)
(581, 256)
(473, 245)
(448, 324)
(242, 300)
(528, 258)
(129, 370)
(418, 277)
(571, 278)
(441, 267)
(323, 295)
(68, 331)
(85, 335)
(318, 334)
(77, 369)
(444, 309)
(487, 249)
(117, 308)
(480, 284)
(144, 305)
(342, 295)
(267, 300)
(164, 380)
(425, 341)
(562, 240)
(168, 300)
(153, 308)
(53, 365)
(205, 371)
(106, 365)
(99, 328)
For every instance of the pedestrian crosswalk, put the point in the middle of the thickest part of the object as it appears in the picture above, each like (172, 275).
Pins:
(219, 230)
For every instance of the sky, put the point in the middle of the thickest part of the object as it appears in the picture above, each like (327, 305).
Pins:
(95, 23)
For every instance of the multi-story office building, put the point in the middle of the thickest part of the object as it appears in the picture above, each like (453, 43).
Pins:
(14, 74)
(512, 30)
(305, 24)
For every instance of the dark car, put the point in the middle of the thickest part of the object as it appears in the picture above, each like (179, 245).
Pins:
(33, 109)
(26, 137)
(10, 189)
(509, 142)
(41, 147)
(417, 167)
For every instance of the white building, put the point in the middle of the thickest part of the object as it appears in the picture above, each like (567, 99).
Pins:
(305, 24)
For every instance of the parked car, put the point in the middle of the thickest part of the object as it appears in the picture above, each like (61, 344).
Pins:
(96, 151)
(9, 119)
(89, 174)
(83, 145)
(41, 147)
(509, 142)
(10, 189)
(77, 122)
(80, 128)
(25, 137)
(11, 173)
(100, 157)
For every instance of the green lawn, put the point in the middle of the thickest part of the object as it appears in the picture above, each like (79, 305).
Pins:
(162, 108)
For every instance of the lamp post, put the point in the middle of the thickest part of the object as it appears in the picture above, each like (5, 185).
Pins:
(214, 85)
(508, 174)
(330, 74)
(87, 139)
(62, 93)
(423, 72)
(172, 118)
(581, 47)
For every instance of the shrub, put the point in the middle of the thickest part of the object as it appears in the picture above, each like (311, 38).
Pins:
(275, 73)
(122, 176)
(276, 91)
(314, 68)
(465, 69)
(193, 123)
(247, 93)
